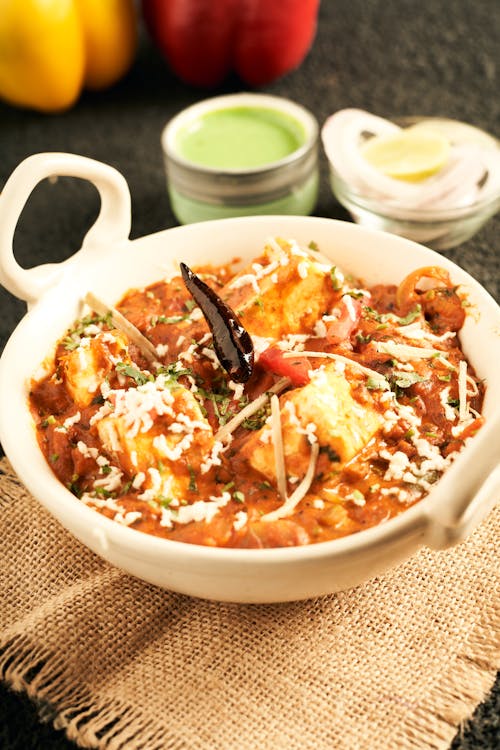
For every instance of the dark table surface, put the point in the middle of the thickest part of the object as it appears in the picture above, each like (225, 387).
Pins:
(390, 57)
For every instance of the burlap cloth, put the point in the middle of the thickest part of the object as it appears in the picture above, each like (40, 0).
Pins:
(397, 663)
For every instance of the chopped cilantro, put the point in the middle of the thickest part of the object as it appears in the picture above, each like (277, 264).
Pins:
(406, 379)
(193, 487)
(376, 384)
(412, 315)
(106, 469)
(133, 372)
(336, 283)
(127, 486)
(74, 488)
(173, 372)
(313, 246)
(220, 402)
(455, 402)
(257, 420)
(103, 492)
(170, 319)
(164, 501)
(369, 312)
(354, 294)
(363, 339)
(73, 336)
(54, 457)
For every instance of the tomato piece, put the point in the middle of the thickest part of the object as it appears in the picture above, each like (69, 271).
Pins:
(349, 310)
(295, 368)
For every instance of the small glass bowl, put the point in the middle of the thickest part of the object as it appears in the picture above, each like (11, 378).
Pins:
(439, 229)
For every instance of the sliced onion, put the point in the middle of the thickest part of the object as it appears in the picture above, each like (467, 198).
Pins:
(472, 172)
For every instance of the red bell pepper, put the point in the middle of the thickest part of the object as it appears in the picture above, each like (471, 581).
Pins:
(294, 368)
(204, 39)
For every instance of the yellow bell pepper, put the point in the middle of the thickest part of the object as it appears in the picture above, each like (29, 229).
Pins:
(51, 49)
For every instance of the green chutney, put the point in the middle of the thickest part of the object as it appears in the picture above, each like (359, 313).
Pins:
(241, 137)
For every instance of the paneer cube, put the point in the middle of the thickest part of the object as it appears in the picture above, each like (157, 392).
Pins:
(284, 292)
(323, 410)
(85, 368)
(159, 434)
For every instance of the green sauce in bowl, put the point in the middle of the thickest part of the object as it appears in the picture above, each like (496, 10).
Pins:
(240, 137)
(239, 155)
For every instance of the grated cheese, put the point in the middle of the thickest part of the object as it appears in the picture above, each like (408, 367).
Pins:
(69, 422)
(463, 413)
(449, 411)
(415, 331)
(404, 352)
(350, 307)
(86, 451)
(299, 493)
(381, 381)
(123, 324)
(136, 405)
(303, 269)
(277, 437)
(240, 520)
(214, 458)
(250, 409)
(244, 280)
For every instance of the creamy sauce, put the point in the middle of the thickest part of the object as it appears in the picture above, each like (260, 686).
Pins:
(240, 138)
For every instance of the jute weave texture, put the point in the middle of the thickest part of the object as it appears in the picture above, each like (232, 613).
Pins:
(397, 663)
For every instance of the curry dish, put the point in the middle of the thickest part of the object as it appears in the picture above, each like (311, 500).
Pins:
(349, 404)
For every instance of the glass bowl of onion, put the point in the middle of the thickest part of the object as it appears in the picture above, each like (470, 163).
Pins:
(429, 179)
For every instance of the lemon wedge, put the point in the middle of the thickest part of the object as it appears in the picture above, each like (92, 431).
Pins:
(411, 154)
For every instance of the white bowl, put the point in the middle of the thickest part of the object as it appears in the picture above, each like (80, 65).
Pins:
(109, 264)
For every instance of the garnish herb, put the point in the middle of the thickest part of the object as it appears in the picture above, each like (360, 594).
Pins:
(406, 379)
(133, 372)
(363, 339)
(73, 337)
(336, 283)
(170, 318)
(193, 487)
(257, 420)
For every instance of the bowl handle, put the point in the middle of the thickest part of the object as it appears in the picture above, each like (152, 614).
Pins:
(111, 226)
(467, 492)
